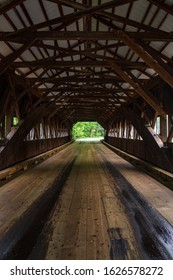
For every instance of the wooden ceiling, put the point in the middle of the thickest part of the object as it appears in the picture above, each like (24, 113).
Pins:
(89, 58)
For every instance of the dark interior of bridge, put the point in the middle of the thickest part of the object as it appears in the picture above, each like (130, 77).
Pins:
(68, 61)
(63, 62)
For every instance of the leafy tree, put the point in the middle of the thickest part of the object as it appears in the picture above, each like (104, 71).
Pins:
(87, 129)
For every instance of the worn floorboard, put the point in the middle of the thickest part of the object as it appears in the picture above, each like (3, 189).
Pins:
(89, 218)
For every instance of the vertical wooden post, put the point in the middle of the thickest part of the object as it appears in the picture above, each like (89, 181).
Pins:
(7, 156)
(163, 129)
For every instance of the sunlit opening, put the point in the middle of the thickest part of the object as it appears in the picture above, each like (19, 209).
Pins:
(87, 131)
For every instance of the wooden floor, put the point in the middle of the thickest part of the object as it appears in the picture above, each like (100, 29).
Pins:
(19, 194)
(89, 205)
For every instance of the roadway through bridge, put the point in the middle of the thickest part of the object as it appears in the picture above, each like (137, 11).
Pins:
(85, 202)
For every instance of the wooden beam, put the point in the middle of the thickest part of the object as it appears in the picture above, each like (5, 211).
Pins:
(113, 17)
(57, 35)
(4, 100)
(83, 36)
(78, 63)
(69, 52)
(74, 79)
(149, 60)
(12, 57)
(14, 102)
(92, 97)
(116, 18)
(145, 94)
(78, 6)
(39, 44)
(85, 89)
(163, 6)
(29, 87)
(7, 156)
(157, 56)
(151, 140)
(9, 4)
(170, 135)
(72, 16)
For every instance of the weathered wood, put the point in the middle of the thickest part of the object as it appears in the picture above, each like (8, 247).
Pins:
(10, 171)
(165, 177)
(149, 60)
(145, 94)
(4, 98)
(30, 86)
(111, 16)
(83, 63)
(170, 135)
(75, 79)
(8, 153)
(79, 6)
(72, 16)
(86, 89)
(12, 57)
(163, 6)
(79, 35)
(13, 97)
(9, 4)
(148, 135)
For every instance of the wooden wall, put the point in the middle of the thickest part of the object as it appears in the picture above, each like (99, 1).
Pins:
(35, 147)
(139, 149)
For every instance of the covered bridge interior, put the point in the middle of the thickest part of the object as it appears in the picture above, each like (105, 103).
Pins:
(64, 61)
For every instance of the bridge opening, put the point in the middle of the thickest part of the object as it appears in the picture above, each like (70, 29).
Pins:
(87, 131)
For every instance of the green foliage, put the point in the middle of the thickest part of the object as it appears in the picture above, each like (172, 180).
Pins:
(87, 129)
(15, 121)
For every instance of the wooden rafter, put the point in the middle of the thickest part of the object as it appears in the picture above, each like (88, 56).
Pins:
(162, 6)
(73, 16)
(114, 17)
(86, 89)
(157, 56)
(137, 88)
(149, 60)
(81, 63)
(9, 4)
(73, 69)
(77, 5)
(12, 57)
(74, 79)
(79, 35)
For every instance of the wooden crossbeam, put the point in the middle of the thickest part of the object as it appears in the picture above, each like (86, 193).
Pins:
(162, 6)
(12, 57)
(9, 152)
(29, 87)
(145, 94)
(9, 4)
(78, 6)
(90, 96)
(84, 36)
(73, 16)
(149, 60)
(157, 56)
(114, 17)
(78, 63)
(39, 44)
(74, 79)
(85, 89)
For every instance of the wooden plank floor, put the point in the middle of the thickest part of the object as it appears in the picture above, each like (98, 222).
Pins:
(156, 193)
(19, 194)
(89, 204)
(88, 207)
